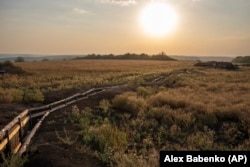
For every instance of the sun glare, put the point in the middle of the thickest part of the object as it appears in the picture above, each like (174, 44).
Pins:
(158, 19)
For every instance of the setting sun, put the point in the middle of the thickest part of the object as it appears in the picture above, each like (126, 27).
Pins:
(158, 19)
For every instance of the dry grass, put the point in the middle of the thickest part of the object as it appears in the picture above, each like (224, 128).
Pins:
(192, 109)
(195, 109)
(50, 76)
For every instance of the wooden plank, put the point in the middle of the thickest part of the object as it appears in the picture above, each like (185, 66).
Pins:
(85, 93)
(13, 133)
(17, 148)
(12, 123)
(25, 121)
(3, 144)
(55, 103)
(38, 114)
(58, 107)
(72, 97)
(32, 133)
(16, 129)
(39, 108)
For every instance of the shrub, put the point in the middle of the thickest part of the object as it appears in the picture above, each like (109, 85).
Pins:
(19, 59)
(144, 91)
(174, 81)
(156, 113)
(244, 146)
(231, 134)
(130, 103)
(120, 159)
(210, 119)
(7, 63)
(201, 140)
(17, 95)
(168, 117)
(176, 134)
(5, 96)
(165, 98)
(13, 160)
(162, 88)
(109, 136)
(75, 112)
(104, 105)
(136, 82)
(33, 95)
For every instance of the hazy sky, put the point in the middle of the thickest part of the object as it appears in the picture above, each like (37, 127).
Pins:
(204, 27)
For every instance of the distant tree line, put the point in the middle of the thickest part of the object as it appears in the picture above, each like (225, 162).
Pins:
(19, 59)
(241, 59)
(129, 56)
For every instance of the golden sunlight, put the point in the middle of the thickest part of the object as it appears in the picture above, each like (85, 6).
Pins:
(158, 19)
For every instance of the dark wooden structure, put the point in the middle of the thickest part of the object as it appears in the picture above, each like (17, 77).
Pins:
(16, 136)
(218, 65)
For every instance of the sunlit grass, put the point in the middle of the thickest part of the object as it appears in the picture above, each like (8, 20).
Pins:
(193, 110)
(48, 76)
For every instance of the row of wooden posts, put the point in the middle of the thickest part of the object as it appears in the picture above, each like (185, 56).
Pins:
(15, 137)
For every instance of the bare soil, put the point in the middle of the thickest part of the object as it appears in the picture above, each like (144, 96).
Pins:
(10, 111)
(47, 150)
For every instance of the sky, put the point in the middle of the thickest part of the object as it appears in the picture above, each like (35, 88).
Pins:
(204, 27)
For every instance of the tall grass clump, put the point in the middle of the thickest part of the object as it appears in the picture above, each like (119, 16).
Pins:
(5, 96)
(33, 95)
(166, 98)
(145, 91)
(13, 160)
(129, 102)
(109, 136)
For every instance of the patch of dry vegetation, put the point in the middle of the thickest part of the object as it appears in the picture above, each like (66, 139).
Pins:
(195, 110)
(49, 76)
(190, 109)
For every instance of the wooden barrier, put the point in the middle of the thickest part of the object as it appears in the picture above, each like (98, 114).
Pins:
(15, 138)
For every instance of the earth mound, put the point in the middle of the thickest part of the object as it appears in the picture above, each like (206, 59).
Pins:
(10, 68)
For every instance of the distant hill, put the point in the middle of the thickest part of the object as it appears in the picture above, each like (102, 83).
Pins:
(30, 57)
(242, 59)
(203, 58)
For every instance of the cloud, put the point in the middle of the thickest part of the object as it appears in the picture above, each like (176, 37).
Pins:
(79, 11)
(120, 2)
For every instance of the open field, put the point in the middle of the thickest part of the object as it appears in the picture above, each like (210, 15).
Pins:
(59, 75)
(185, 108)
(45, 82)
